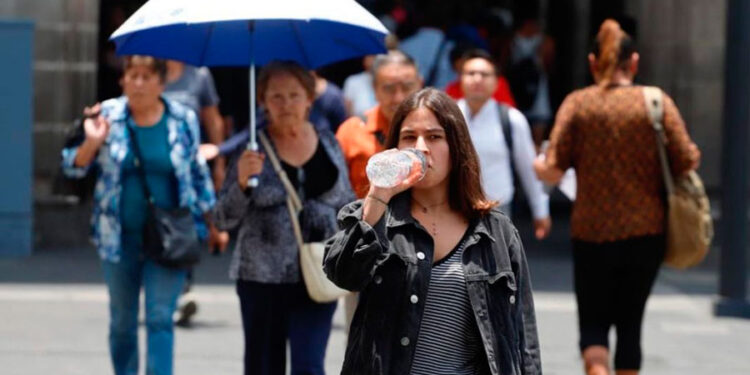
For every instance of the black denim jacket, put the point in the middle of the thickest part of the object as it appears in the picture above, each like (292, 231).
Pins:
(392, 261)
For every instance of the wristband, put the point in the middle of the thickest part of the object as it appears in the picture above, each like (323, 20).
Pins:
(377, 199)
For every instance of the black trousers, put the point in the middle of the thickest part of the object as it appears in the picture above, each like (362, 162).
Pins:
(612, 283)
(273, 314)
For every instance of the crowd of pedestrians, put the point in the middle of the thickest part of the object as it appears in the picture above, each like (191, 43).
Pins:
(437, 270)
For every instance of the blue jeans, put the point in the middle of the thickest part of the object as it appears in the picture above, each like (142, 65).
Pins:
(273, 313)
(162, 286)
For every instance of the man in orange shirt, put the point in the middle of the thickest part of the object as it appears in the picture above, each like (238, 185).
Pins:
(395, 77)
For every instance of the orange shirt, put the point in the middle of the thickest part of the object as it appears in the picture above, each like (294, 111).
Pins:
(607, 136)
(359, 141)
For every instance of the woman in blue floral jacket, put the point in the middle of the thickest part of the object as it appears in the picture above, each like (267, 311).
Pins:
(168, 137)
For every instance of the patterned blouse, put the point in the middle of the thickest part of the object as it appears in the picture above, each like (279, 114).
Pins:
(266, 250)
(194, 185)
(607, 136)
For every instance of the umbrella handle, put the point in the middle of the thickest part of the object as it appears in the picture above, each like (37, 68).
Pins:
(253, 180)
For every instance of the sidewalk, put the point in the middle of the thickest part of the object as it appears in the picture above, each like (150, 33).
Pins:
(53, 308)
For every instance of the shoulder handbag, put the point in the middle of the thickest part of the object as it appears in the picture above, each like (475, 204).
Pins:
(311, 254)
(170, 237)
(689, 225)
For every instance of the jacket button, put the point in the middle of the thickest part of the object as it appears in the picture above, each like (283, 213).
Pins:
(512, 299)
(414, 299)
(378, 279)
(404, 341)
(420, 255)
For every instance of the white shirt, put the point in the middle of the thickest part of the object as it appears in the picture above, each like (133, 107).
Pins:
(497, 175)
(359, 91)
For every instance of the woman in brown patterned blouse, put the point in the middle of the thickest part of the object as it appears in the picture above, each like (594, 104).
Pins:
(617, 224)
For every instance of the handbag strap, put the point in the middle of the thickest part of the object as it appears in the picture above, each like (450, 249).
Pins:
(137, 159)
(293, 203)
(655, 106)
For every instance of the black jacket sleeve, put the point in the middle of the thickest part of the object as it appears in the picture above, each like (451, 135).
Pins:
(354, 253)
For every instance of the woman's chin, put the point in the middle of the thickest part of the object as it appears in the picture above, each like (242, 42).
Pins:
(286, 121)
(425, 184)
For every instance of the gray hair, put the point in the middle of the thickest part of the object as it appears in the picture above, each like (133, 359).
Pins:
(392, 57)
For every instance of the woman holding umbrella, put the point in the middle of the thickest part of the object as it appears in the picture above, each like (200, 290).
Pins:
(166, 133)
(274, 302)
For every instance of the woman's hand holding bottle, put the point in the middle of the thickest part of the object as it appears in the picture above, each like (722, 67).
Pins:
(391, 172)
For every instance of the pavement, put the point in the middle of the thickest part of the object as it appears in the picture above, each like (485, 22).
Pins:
(53, 314)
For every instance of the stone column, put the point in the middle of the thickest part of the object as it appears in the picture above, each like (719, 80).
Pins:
(65, 65)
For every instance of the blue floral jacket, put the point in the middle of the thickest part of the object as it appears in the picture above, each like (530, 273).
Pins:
(194, 184)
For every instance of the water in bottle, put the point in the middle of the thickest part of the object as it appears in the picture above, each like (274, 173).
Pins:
(391, 167)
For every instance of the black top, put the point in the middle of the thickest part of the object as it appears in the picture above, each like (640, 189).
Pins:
(317, 175)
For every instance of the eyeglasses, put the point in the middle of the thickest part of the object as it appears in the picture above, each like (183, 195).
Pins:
(406, 86)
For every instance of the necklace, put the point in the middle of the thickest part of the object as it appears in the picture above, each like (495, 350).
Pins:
(426, 209)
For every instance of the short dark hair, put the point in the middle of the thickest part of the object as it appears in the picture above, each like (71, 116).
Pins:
(465, 185)
(477, 53)
(158, 66)
(286, 67)
(459, 50)
(392, 57)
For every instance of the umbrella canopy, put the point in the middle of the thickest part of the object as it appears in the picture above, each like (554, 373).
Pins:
(248, 32)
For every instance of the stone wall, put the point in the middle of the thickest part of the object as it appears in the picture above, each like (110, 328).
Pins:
(65, 54)
(682, 45)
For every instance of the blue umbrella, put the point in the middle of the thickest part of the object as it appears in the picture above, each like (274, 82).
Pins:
(250, 32)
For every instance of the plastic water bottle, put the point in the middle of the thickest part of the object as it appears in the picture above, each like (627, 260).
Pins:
(391, 167)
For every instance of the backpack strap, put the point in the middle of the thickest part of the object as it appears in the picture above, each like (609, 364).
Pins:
(505, 124)
(432, 75)
(507, 133)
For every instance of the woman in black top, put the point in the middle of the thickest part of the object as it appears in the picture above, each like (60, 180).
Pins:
(442, 273)
(275, 306)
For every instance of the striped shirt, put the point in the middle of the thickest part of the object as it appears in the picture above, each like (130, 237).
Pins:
(448, 341)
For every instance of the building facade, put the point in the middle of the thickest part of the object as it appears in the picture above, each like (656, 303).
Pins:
(681, 43)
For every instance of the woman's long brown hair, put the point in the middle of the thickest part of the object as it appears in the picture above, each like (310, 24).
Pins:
(612, 49)
(465, 192)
